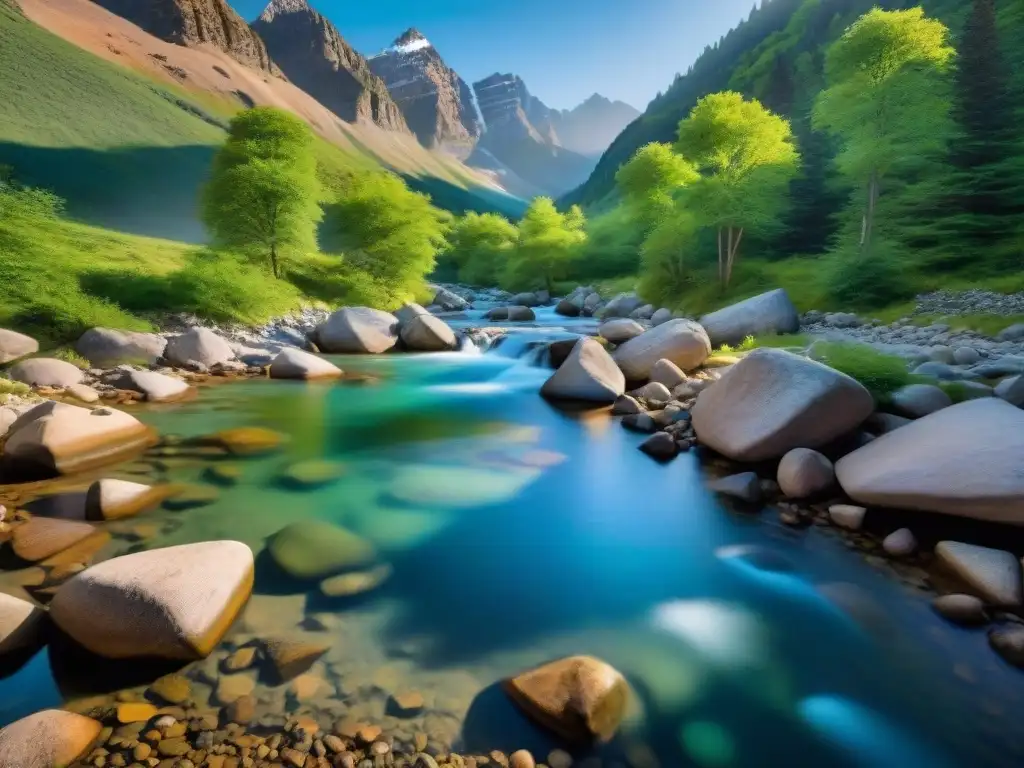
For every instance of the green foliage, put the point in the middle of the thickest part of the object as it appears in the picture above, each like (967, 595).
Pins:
(68, 355)
(15, 388)
(881, 374)
(650, 180)
(263, 196)
(871, 281)
(612, 247)
(479, 245)
(549, 241)
(670, 259)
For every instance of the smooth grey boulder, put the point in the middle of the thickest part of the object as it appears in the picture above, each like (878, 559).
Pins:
(804, 472)
(771, 312)
(682, 342)
(46, 372)
(568, 308)
(154, 387)
(1012, 333)
(745, 486)
(520, 314)
(358, 331)
(427, 333)
(660, 446)
(622, 305)
(966, 356)
(588, 374)
(447, 300)
(296, 364)
(964, 460)
(668, 373)
(961, 609)
(526, 299)
(661, 316)
(992, 574)
(14, 345)
(643, 313)
(625, 405)
(880, 423)
(1008, 365)
(942, 372)
(620, 330)
(917, 400)
(1012, 391)
(198, 345)
(409, 312)
(652, 390)
(107, 347)
(773, 401)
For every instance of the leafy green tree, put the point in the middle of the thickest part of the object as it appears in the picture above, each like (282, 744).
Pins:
(262, 199)
(480, 244)
(887, 99)
(549, 241)
(746, 159)
(388, 230)
(650, 180)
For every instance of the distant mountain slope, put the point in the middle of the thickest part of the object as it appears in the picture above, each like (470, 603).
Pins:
(590, 128)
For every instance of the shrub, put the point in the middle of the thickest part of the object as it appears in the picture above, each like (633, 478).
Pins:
(869, 282)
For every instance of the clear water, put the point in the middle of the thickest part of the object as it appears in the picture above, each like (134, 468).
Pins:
(519, 532)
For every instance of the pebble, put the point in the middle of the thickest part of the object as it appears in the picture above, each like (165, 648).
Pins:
(900, 543)
(1008, 642)
(558, 758)
(522, 759)
(960, 609)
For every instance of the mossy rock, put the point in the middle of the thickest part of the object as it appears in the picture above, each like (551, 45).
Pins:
(312, 474)
(223, 474)
(313, 549)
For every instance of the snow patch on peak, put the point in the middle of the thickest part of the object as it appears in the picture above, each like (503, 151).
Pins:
(415, 45)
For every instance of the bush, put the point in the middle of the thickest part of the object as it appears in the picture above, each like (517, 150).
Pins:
(871, 281)
(882, 374)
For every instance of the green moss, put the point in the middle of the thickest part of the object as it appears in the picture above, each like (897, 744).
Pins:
(8, 387)
(882, 374)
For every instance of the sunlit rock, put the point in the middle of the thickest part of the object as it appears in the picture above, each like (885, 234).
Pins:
(48, 739)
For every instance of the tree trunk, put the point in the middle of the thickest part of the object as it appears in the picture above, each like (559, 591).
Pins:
(273, 259)
(868, 222)
(721, 259)
(733, 250)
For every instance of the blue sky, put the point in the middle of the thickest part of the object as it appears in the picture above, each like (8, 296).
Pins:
(565, 50)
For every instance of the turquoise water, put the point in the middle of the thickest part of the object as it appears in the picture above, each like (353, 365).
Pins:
(518, 532)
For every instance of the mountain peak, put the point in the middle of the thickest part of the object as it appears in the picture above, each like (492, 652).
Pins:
(410, 40)
(280, 7)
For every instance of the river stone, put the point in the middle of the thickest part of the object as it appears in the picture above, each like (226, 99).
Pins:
(652, 390)
(357, 583)
(154, 387)
(966, 356)
(497, 313)
(295, 364)
(960, 609)
(769, 313)
(46, 372)
(198, 345)
(42, 537)
(941, 371)
(681, 342)
(772, 401)
(917, 400)
(668, 373)
(900, 543)
(588, 374)
(107, 347)
(804, 472)
(174, 689)
(526, 299)
(521, 759)
(358, 330)
(1011, 333)
(882, 423)
(992, 574)
(622, 305)
(409, 312)
(1008, 642)
(1012, 391)
(82, 392)
(172, 603)
(287, 657)
(49, 739)
(963, 460)
(230, 688)
(427, 333)
(312, 549)
(246, 441)
(847, 516)
(519, 314)
(581, 699)
(14, 345)
(620, 330)
(661, 446)
(745, 486)
(311, 474)
(568, 308)
(448, 300)
(448, 488)
(112, 499)
(661, 316)
(646, 312)
(20, 624)
(625, 405)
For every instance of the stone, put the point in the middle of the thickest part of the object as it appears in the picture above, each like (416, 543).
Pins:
(154, 387)
(1008, 642)
(172, 689)
(992, 574)
(498, 313)
(357, 583)
(241, 659)
(245, 441)
(941, 354)
(963, 460)
(182, 497)
(448, 300)
(313, 549)
(772, 401)
(900, 543)
(745, 486)
(646, 312)
(1011, 333)
(57, 438)
(14, 345)
(768, 313)
(242, 710)
(48, 739)
(581, 699)
(312, 474)
(568, 308)
(135, 712)
(667, 373)
(358, 330)
(517, 314)
(622, 305)
(588, 374)
(804, 472)
(406, 704)
(408, 313)
(961, 609)
(198, 345)
(46, 372)
(427, 333)
(682, 342)
(653, 390)
(21, 623)
(521, 759)
(940, 371)
(107, 347)
(882, 423)
(847, 516)
(222, 474)
(288, 658)
(230, 688)
(83, 393)
(620, 330)
(661, 316)
(640, 422)
(917, 400)
(296, 364)
(966, 356)
(661, 446)
(172, 603)
(43, 537)
(1011, 390)
(526, 299)
(625, 405)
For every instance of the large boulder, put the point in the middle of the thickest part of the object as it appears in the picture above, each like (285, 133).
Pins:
(773, 401)
(313, 549)
(447, 300)
(526, 299)
(620, 330)
(993, 574)
(20, 625)
(52, 738)
(154, 387)
(520, 314)
(173, 603)
(198, 345)
(963, 460)
(569, 307)
(589, 374)
(14, 345)
(408, 312)
(358, 330)
(46, 372)
(581, 699)
(768, 313)
(56, 438)
(296, 364)
(622, 305)
(427, 333)
(107, 347)
(682, 342)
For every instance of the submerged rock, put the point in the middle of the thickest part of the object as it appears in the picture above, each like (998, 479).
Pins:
(769, 313)
(588, 374)
(245, 441)
(313, 549)
(107, 347)
(682, 342)
(47, 739)
(350, 584)
(1008, 642)
(312, 474)
(287, 658)
(581, 699)
(172, 603)
(358, 330)
(296, 364)
(449, 487)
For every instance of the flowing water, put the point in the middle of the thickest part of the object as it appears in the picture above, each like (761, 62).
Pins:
(519, 532)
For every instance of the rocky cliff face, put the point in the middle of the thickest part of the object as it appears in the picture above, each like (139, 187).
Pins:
(193, 22)
(436, 102)
(313, 55)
